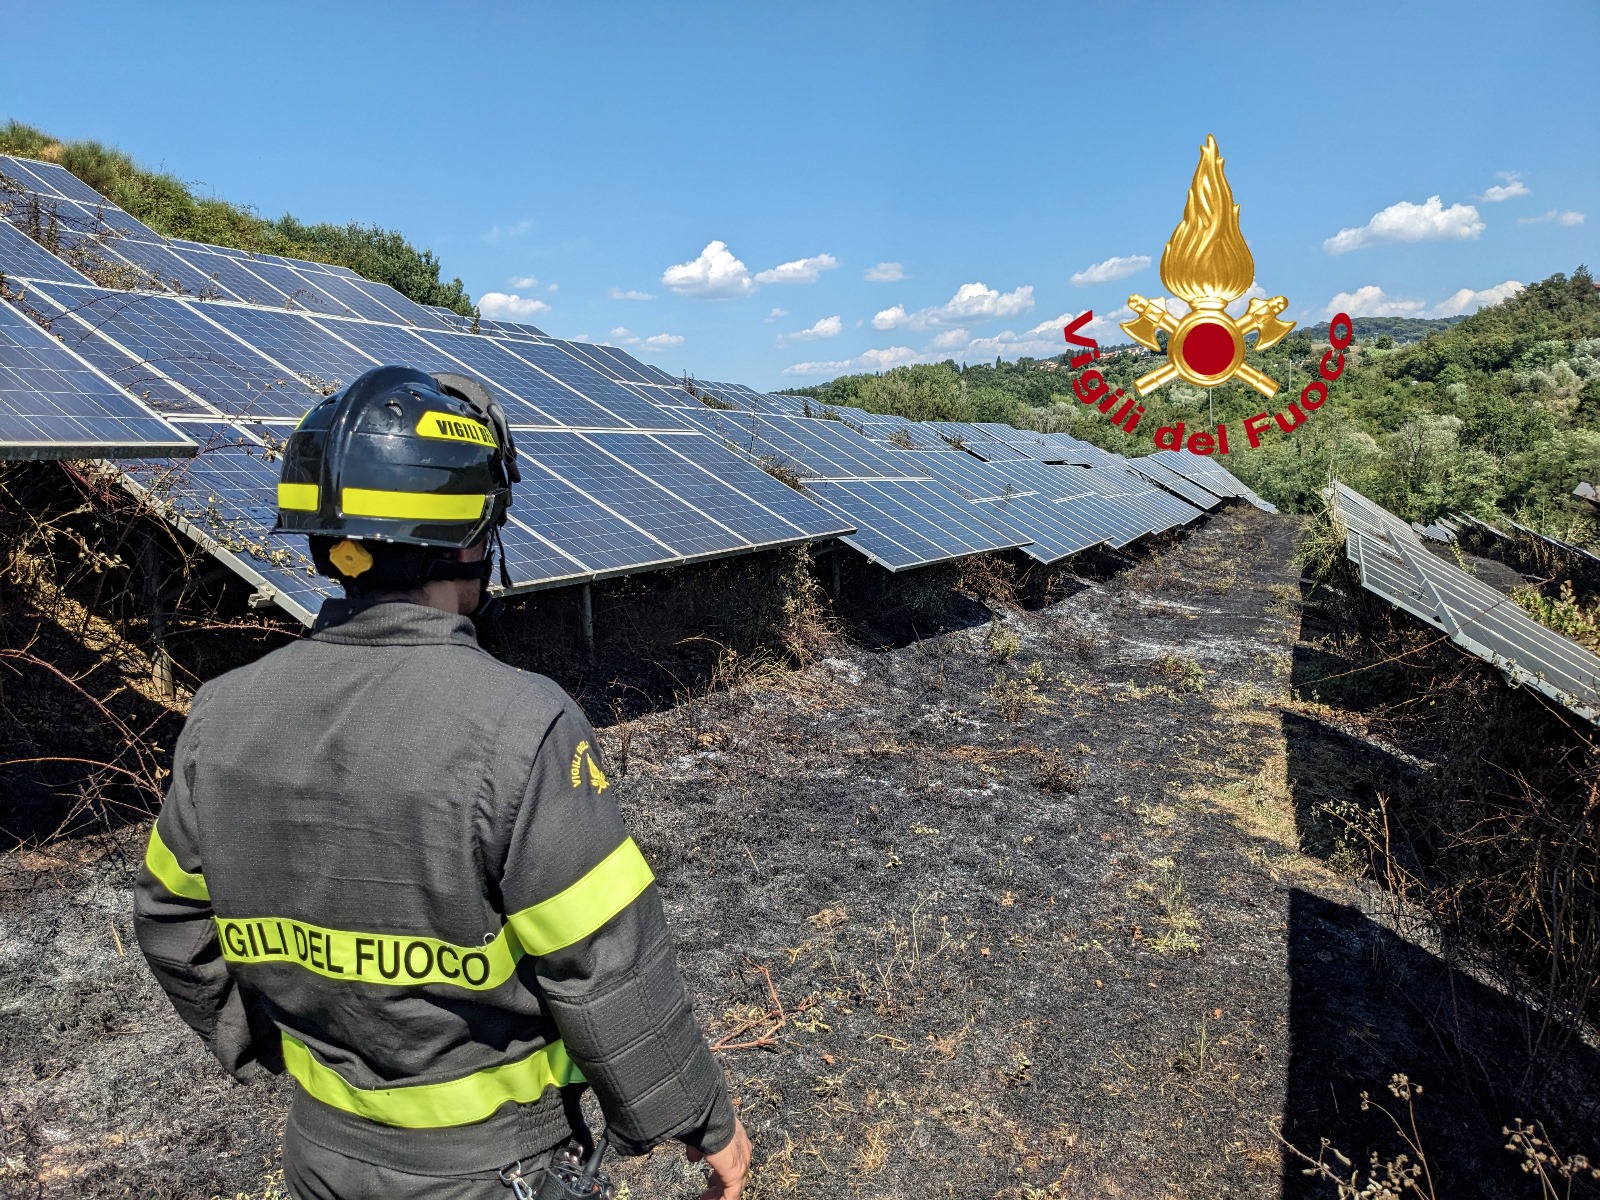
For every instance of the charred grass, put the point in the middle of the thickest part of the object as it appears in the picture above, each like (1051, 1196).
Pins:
(988, 883)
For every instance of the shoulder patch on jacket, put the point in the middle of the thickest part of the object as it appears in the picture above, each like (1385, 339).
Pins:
(583, 763)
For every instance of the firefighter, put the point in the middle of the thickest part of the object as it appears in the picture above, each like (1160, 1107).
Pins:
(394, 867)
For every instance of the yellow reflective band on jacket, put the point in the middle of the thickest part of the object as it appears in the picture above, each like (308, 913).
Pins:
(434, 1105)
(163, 864)
(410, 960)
(412, 506)
(398, 960)
(572, 915)
(298, 497)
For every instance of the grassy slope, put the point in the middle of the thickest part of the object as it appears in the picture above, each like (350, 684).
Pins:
(170, 207)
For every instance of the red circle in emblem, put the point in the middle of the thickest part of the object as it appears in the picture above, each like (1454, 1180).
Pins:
(1208, 348)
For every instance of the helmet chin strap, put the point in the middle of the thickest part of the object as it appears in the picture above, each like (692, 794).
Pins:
(489, 606)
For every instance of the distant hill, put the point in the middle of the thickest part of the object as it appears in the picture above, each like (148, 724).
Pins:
(1496, 414)
(1370, 329)
(171, 208)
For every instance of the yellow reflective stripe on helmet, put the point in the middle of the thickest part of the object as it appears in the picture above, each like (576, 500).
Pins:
(412, 506)
(455, 429)
(298, 497)
(398, 960)
(163, 864)
(434, 1105)
(575, 913)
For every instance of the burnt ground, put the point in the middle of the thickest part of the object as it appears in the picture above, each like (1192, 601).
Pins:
(1045, 901)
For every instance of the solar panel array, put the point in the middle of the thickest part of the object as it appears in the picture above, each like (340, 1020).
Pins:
(1395, 565)
(626, 469)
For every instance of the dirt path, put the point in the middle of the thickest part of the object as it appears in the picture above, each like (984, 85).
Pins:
(1028, 893)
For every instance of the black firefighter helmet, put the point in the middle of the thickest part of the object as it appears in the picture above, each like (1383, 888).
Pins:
(399, 457)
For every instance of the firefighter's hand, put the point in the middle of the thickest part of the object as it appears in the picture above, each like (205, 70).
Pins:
(728, 1166)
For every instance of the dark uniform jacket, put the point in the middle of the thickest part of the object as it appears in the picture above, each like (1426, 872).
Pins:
(393, 866)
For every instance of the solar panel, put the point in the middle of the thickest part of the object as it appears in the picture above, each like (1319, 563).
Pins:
(911, 523)
(232, 273)
(1396, 566)
(1209, 474)
(174, 337)
(49, 179)
(721, 486)
(1160, 473)
(225, 497)
(23, 258)
(53, 404)
(294, 339)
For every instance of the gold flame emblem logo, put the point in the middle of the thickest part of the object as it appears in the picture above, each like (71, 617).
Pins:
(1207, 265)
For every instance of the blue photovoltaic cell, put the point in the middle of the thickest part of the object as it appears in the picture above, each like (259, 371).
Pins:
(637, 499)
(138, 377)
(722, 486)
(103, 218)
(231, 273)
(23, 258)
(318, 358)
(228, 492)
(911, 523)
(1054, 532)
(1172, 481)
(552, 402)
(583, 526)
(356, 301)
(169, 269)
(168, 334)
(301, 291)
(531, 560)
(50, 179)
(52, 405)
(628, 406)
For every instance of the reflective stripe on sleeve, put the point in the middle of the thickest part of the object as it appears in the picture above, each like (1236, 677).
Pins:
(400, 960)
(434, 1105)
(163, 864)
(572, 915)
(412, 506)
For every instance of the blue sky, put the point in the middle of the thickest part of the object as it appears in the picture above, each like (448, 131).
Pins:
(803, 190)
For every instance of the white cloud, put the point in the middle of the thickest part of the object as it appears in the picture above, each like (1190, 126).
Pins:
(1112, 268)
(801, 270)
(1558, 216)
(894, 356)
(836, 367)
(522, 282)
(776, 314)
(715, 275)
(972, 302)
(870, 360)
(1371, 301)
(500, 306)
(884, 272)
(1254, 291)
(951, 339)
(828, 327)
(629, 294)
(1407, 222)
(622, 336)
(1099, 328)
(1513, 186)
(506, 233)
(552, 287)
(1468, 301)
(975, 301)
(890, 318)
